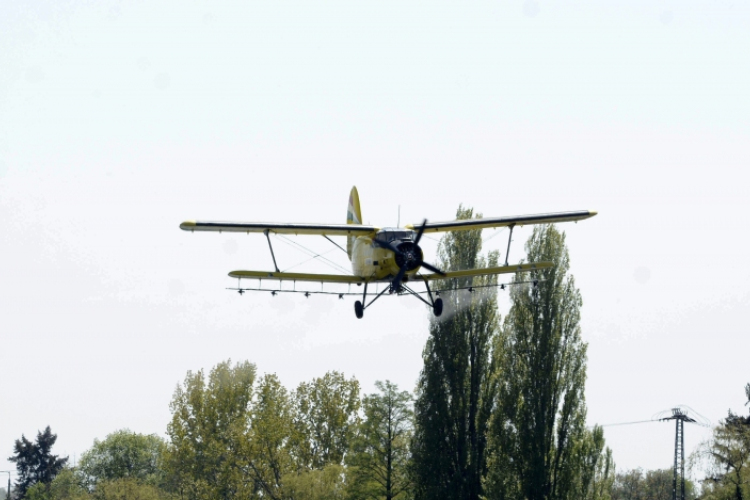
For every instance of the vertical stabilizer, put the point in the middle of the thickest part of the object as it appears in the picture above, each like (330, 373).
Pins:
(353, 216)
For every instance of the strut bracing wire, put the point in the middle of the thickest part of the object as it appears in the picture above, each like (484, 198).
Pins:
(313, 255)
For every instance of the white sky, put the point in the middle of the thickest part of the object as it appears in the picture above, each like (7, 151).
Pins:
(119, 120)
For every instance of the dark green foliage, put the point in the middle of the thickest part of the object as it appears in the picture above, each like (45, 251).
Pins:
(538, 429)
(456, 388)
(378, 463)
(35, 462)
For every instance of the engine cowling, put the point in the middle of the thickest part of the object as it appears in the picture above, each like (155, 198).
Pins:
(410, 255)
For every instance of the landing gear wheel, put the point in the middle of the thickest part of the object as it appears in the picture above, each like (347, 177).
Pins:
(359, 310)
(437, 307)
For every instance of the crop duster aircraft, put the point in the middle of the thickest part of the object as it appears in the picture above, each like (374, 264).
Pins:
(387, 255)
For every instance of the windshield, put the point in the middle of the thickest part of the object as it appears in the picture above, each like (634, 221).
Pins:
(388, 234)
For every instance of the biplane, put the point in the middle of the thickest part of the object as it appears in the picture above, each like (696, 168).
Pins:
(389, 255)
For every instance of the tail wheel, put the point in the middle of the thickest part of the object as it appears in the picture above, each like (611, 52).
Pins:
(359, 310)
(437, 307)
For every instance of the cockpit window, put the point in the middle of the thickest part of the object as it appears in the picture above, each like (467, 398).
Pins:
(395, 234)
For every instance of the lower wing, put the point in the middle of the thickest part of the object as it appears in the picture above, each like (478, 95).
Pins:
(489, 270)
(320, 278)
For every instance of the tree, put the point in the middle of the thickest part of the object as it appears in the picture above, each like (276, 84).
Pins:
(651, 485)
(603, 479)
(380, 452)
(67, 485)
(326, 483)
(728, 458)
(124, 454)
(539, 425)
(325, 419)
(456, 389)
(208, 431)
(128, 488)
(270, 437)
(35, 462)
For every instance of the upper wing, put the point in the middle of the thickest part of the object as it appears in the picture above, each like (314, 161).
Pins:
(489, 270)
(321, 278)
(519, 220)
(281, 228)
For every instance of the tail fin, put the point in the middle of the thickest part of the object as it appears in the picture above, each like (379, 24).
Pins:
(353, 216)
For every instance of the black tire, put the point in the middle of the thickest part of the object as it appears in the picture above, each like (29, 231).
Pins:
(359, 310)
(437, 307)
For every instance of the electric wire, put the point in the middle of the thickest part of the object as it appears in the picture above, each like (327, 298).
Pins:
(628, 423)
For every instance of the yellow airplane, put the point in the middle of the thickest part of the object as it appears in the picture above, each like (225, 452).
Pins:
(389, 255)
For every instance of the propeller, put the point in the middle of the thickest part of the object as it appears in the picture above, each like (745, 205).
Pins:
(408, 256)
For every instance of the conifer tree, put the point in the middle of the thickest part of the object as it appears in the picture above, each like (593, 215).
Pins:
(35, 462)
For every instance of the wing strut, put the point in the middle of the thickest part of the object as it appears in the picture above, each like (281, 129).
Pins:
(329, 239)
(510, 236)
(271, 248)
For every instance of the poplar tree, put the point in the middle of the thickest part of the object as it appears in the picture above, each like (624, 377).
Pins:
(456, 390)
(540, 449)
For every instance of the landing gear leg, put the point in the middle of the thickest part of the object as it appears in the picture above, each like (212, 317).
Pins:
(437, 302)
(359, 308)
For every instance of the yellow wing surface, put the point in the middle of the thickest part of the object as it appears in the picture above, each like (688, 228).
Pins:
(281, 228)
(320, 278)
(489, 270)
(342, 278)
(517, 220)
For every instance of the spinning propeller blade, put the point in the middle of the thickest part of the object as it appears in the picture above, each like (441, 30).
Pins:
(432, 268)
(396, 283)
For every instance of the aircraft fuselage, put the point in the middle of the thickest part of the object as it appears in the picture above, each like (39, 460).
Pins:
(370, 259)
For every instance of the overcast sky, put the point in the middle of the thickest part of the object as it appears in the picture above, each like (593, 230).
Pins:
(119, 120)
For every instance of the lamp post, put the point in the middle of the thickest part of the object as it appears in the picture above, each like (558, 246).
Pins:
(7, 472)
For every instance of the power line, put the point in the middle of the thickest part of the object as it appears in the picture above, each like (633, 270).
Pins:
(628, 423)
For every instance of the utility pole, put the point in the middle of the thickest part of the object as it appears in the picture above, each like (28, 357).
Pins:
(680, 416)
(8, 492)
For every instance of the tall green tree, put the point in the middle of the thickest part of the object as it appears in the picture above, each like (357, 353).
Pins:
(603, 478)
(207, 433)
(326, 417)
(380, 452)
(124, 454)
(595, 467)
(539, 425)
(35, 462)
(456, 389)
(268, 447)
